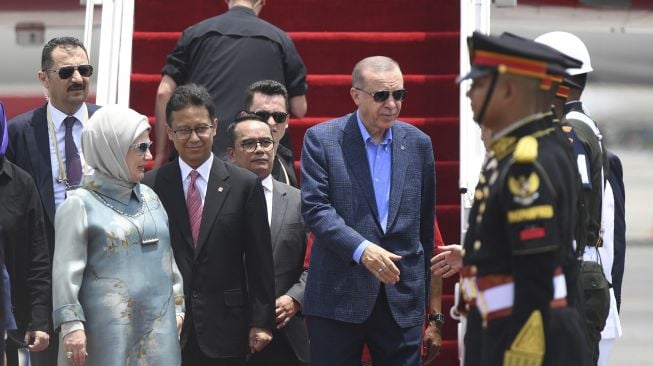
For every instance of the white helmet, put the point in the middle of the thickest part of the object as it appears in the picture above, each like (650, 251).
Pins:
(571, 46)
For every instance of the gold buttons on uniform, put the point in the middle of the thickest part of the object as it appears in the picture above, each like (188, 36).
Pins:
(477, 245)
(493, 177)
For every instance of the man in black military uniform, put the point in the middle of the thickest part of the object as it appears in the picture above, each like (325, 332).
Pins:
(226, 54)
(520, 231)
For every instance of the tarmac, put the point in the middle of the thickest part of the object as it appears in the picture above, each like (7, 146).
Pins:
(635, 347)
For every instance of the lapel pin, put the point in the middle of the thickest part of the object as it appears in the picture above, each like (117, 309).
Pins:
(402, 147)
(220, 189)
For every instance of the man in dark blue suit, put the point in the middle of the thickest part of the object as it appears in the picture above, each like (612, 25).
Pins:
(43, 142)
(368, 196)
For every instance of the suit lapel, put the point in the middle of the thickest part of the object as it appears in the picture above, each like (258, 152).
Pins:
(399, 164)
(354, 153)
(279, 206)
(40, 155)
(216, 192)
(173, 189)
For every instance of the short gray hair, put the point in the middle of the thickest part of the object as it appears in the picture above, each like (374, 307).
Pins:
(373, 63)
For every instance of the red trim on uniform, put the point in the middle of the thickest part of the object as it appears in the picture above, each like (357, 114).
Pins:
(546, 84)
(489, 281)
(499, 314)
(563, 92)
(514, 63)
(532, 233)
(518, 65)
(558, 303)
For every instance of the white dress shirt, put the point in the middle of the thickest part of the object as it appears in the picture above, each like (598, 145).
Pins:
(202, 180)
(267, 190)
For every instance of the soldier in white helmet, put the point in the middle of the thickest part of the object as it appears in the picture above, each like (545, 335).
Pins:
(596, 235)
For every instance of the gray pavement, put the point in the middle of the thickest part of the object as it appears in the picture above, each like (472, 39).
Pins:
(635, 347)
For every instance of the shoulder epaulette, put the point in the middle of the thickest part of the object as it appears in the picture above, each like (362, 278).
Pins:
(526, 150)
(503, 146)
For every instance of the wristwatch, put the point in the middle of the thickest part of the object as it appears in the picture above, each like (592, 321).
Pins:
(438, 318)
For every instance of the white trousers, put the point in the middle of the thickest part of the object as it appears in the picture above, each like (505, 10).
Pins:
(605, 350)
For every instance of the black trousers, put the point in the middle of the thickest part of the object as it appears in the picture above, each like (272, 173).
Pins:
(192, 355)
(277, 352)
(474, 338)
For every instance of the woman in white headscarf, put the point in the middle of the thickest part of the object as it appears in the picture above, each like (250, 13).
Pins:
(117, 291)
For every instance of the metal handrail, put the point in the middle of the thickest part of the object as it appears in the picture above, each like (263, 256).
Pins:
(88, 26)
(115, 49)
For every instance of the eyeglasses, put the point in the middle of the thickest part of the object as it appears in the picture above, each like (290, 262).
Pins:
(251, 145)
(67, 72)
(185, 132)
(383, 95)
(279, 117)
(141, 147)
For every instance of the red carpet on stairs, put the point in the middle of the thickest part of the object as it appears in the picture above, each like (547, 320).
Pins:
(331, 36)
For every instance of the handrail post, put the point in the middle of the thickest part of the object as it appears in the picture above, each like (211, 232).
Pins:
(115, 50)
(88, 25)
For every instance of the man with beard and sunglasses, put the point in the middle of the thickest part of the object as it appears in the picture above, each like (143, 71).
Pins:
(268, 99)
(46, 142)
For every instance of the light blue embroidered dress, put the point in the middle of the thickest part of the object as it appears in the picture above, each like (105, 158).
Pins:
(109, 273)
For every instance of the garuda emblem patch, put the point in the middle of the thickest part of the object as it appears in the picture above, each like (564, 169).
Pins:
(523, 189)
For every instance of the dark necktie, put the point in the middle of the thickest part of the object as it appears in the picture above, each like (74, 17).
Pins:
(194, 206)
(73, 161)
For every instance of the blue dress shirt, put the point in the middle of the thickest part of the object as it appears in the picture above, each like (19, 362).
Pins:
(379, 158)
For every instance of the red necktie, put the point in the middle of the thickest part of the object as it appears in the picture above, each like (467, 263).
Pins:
(194, 206)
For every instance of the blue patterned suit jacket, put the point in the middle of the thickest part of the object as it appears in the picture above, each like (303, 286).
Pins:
(339, 207)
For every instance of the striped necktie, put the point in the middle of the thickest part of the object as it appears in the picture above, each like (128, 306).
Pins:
(194, 206)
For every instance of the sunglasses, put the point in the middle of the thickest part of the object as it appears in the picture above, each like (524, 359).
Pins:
(142, 147)
(279, 117)
(383, 95)
(67, 72)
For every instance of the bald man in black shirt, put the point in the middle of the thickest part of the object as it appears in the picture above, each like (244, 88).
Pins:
(226, 54)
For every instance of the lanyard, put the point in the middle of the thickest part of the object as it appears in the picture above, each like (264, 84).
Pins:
(285, 172)
(61, 177)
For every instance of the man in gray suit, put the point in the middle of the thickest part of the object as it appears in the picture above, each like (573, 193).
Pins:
(251, 146)
(368, 196)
